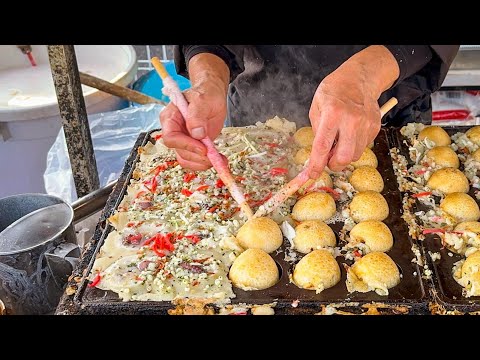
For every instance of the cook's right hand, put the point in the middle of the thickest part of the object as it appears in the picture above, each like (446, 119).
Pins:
(206, 114)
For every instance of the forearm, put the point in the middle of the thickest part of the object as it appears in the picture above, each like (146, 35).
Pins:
(345, 108)
(206, 67)
(376, 67)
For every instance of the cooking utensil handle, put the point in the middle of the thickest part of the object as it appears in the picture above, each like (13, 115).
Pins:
(117, 90)
(388, 106)
(170, 87)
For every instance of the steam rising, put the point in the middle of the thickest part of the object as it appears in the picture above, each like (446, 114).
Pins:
(281, 80)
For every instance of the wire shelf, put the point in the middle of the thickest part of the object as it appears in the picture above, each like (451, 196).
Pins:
(146, 52)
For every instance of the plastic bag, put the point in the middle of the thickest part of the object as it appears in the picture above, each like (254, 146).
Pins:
(113, 136)
(455, 108)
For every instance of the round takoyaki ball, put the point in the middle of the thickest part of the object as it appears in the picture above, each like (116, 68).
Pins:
(374, 234)
(260, 233)
(304, 136)
(368, 205)
(254, 269)
(474, 134)
(435, 134)
(375, 271)
(366, 178)
(442, 156)
(302, 155)
(462, 207)
(313, 234)
(368, 158)
(448, 180)
(314, 206)
(317, 271)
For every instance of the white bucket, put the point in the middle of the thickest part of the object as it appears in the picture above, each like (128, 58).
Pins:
(29, 115)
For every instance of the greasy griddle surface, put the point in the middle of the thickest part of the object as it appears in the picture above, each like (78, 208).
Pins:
(447, 290)
(410, 288)
(410, 292)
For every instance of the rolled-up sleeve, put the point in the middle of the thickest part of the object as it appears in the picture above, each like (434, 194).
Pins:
(423, 69)
(410, 58)
(430, 61)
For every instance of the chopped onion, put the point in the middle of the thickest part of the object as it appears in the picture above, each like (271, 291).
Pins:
(289, 232)
(257, 155)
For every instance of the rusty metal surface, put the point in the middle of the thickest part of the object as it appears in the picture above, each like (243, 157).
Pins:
(71, 103)
(409, 297)
(75, 285)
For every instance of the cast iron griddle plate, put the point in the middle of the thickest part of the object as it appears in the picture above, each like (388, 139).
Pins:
(447, 291)
(409, 294)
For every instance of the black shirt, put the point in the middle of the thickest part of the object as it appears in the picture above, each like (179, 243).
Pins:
(269, 80)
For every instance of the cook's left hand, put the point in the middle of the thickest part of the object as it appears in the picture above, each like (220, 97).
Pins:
(345, 108)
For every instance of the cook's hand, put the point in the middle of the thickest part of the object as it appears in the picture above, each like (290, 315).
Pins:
(345, 111)
(345, 108)
(206, 113)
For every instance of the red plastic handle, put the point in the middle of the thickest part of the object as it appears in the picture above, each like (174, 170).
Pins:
(450, 115)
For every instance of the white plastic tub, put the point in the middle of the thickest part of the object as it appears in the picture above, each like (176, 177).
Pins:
(29, 115)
